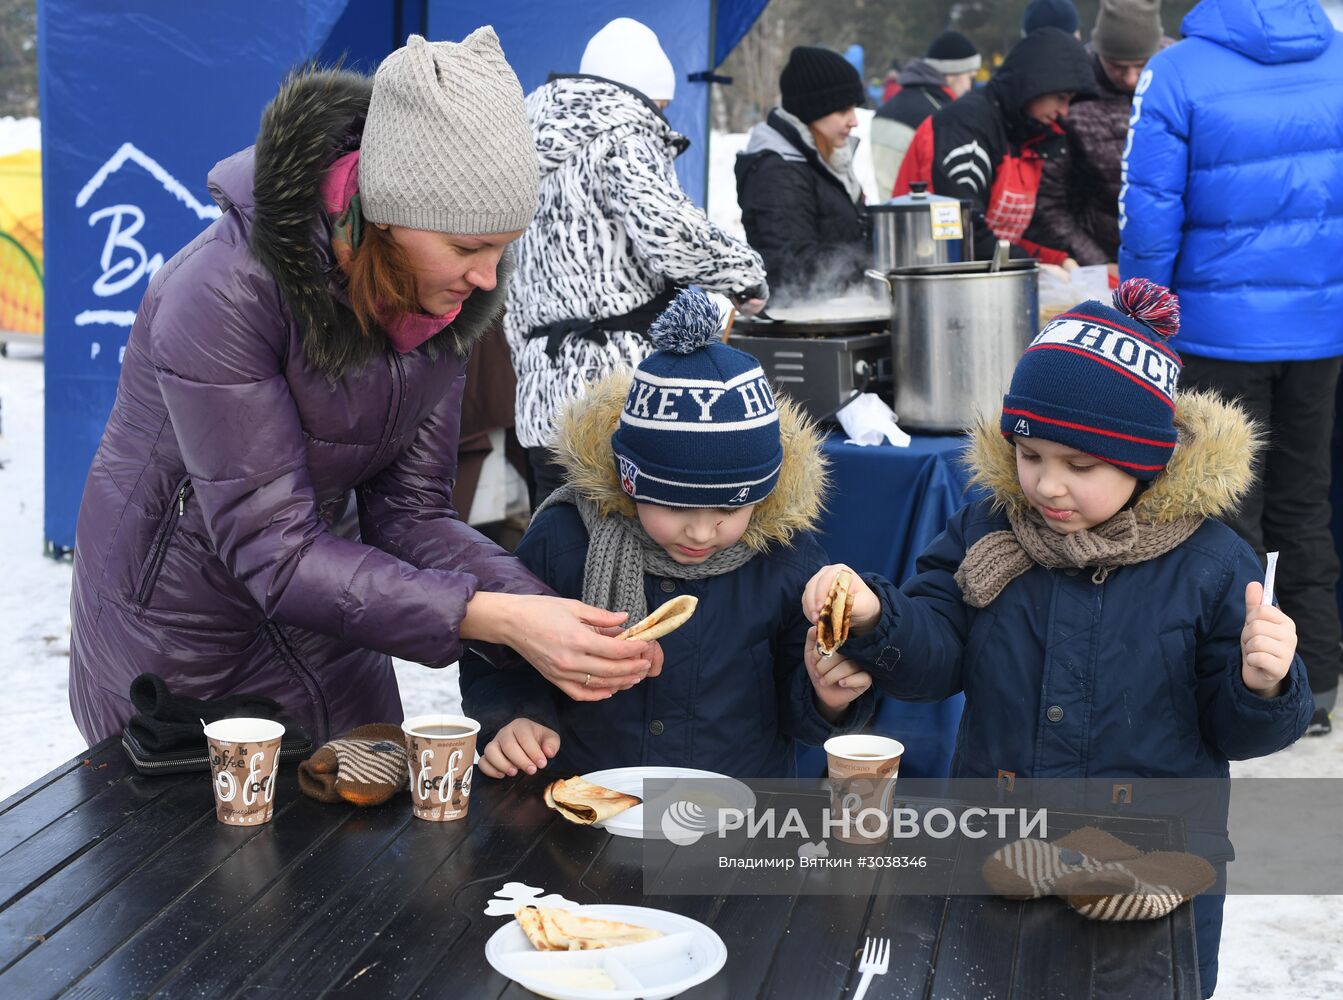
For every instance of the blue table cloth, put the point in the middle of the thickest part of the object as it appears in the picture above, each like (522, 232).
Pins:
(886, 505)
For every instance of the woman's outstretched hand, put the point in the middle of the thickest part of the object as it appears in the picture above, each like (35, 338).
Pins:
(570, 643)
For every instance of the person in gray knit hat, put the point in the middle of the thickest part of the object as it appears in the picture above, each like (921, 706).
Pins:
(290, 413)
(1127, 31)
(446, 143)
(1077, 208)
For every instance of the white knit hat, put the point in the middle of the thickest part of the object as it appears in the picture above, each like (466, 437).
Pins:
(628, 52)
(446, 144)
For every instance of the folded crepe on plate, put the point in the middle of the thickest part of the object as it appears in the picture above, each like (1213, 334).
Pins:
(550, 929)
(665, 620)
(832, 628)
(581, 801)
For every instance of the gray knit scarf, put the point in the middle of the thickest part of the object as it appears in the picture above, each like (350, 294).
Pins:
(620, 553)
(1001, 556)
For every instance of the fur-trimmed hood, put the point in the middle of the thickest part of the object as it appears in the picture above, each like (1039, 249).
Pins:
(316, 117)
(1210, 469)
(583, 448)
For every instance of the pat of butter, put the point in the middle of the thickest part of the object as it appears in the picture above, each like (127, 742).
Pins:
(584, 979)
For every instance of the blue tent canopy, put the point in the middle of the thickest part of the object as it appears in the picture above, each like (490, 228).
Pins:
(131, 125)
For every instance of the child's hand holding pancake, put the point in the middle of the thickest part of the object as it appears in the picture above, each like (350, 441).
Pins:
(866, 609)
(836, 681)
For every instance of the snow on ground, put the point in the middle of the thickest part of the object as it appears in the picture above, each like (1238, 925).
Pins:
(1272, 946)
(36, 731)
(19, 133)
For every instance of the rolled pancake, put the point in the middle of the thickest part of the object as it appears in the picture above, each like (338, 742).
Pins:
(551, 929)
(832, 628)
(665, 620)
(582, 802)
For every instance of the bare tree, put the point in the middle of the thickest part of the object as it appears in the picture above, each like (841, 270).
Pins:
(889, 31)
(18, 58)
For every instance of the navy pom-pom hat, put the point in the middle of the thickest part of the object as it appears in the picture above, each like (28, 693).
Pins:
(700, 426)
(1101, 378)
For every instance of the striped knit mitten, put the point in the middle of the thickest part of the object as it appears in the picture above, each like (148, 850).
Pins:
(366, 766)
(1098, 875)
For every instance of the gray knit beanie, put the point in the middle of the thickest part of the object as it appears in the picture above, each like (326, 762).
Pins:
(446, 144)
(1127, 30)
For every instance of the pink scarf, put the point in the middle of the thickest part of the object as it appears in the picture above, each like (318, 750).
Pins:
(340, 199)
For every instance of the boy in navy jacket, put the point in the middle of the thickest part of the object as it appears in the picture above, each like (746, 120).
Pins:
(686, 476)
(1099, 619)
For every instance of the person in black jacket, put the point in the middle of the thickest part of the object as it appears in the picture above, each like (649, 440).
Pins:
(990, 146)
(801, 202)
(926, 85)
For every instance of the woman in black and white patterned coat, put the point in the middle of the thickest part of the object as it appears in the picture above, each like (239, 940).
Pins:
(614, 235)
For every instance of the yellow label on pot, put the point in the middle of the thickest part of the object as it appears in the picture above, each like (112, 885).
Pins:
(946, 220)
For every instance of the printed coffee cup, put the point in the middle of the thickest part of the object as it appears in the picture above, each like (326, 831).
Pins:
(863, 770)
(243, 758)
(442, 756)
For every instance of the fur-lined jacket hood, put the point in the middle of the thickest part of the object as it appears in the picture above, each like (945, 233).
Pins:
(583, 448)
(1210, 469)
(316, 117)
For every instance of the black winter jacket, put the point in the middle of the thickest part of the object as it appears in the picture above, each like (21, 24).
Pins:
(797, 214)
(924, 93)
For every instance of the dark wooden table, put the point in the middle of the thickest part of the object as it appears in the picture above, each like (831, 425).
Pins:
(114, 885)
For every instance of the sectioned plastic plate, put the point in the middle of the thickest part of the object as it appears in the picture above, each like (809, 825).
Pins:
(688, 954)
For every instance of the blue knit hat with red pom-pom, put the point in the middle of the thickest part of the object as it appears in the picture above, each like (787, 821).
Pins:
(700, 426)
(1102, 379)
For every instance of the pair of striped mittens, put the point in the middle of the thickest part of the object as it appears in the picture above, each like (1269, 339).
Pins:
(1098, 875)
(366, 766)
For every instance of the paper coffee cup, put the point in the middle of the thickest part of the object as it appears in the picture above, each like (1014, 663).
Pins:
(863, 770)
(441, 750)
(243, 758)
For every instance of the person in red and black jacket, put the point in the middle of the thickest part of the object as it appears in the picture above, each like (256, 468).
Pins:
(989, 147)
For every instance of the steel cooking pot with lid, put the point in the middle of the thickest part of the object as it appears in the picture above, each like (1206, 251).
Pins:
(920, 228)
(957, 331)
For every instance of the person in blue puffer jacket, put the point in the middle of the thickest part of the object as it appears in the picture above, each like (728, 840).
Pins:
(1102, 625)
(1232, 195)
(686, 476)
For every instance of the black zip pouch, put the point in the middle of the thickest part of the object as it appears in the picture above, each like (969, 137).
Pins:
(293, 746)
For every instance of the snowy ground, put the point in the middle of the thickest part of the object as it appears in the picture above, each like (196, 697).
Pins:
(1273, 946)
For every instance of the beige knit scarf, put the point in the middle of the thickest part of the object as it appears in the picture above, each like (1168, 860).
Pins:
(1001, 556)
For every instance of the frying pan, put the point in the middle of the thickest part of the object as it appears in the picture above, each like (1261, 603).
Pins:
(763, 325)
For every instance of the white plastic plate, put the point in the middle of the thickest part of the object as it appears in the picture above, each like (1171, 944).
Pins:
(688, 954)
(720, 792)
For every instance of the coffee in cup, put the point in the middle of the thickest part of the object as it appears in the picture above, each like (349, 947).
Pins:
(442, 731)
(442, 753)
(243, 758)
(862, 769)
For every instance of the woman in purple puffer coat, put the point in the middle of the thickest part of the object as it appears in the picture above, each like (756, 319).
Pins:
(299, 363)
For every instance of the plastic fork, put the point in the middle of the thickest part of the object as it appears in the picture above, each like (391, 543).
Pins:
(875, 961)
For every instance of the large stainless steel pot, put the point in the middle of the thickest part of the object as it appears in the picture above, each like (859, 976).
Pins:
(957, 331)
(920, 229)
